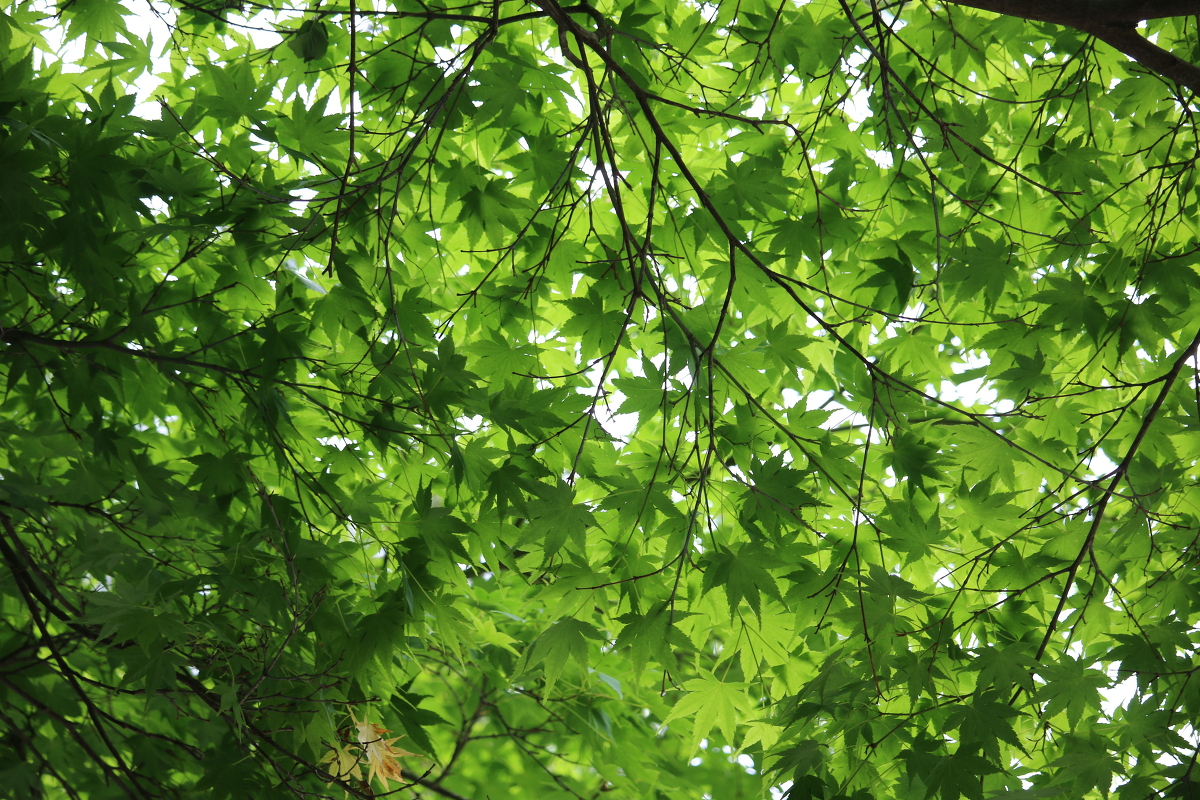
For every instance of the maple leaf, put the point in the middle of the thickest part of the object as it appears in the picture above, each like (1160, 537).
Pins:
(653, 634)
(742, 574)
(564, 640)
(598, 326)
(981, 272)
(1027, 375)
(1070, 686)
(913, 458)
(342, 762)
(985, 722)
(380, 754)
(949, 776)
(1002, 668)
(909, 533)
(895, 274)
(554, 518)
(714, 702)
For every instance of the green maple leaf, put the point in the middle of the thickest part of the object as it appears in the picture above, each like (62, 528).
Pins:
(414, 718)
(909, 533)
(800, 758)
(643, 395)
(985, 722)
(412, 313)
(564, 640)
(235, 94)
(598, 328)
(959, 774)
(438, 528)
(653, 634)
(502, 89)
(1071, 687)
(135, 57)
(746, 364)
(555, 518)
(1014, 570)
(502, 360)
(751, 184)
(507, 487)
(742, 574)
(220, 477)
(784, 349)
(913, 460)
(1146, 728)
(488, 209)
(982, 505)
(985, 453)
(881, 582)
(1001, 668)
(806, 787)
(1137, 655)
(1065, 422)
(545, 162)
(894, 277)
(635, 502)
(774, 494)
(795, 237)
(714, 703)
(310, 41)
(981, 271)
(308, 130)
(99, 20)
(1071, 306)
(1085, 763)
(917, 353)
(1028, 375)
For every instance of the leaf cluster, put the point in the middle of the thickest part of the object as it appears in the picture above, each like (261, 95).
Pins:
(627, 400)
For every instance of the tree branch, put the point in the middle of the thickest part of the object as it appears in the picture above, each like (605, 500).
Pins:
(1112, 22)
(1084, 14)
(20, 337)
(412, 777)
(1148, 54)
(1118, 475)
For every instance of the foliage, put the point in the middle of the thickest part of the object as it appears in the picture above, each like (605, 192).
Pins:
(664, 400)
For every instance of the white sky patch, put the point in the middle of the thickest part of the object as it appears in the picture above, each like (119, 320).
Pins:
(1100, 465)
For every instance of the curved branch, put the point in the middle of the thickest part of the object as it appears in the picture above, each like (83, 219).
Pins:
(1112, 22)
(1087, 13)
(1118, 475)
(1148, 54)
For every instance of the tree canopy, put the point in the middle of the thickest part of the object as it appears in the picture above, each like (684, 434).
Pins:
(623, 399)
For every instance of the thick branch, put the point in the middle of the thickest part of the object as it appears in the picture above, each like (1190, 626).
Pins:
(1088, 13)
(1149, 55)
(1112, 22)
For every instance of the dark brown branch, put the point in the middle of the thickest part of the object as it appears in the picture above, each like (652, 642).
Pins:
(412, 777)
(1112, 22)
(1085, 14)
(1118, 475)
(1148, 54)
(20, 337)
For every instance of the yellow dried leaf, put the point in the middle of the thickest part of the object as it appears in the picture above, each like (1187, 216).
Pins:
(342, 763)
(380, 753)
